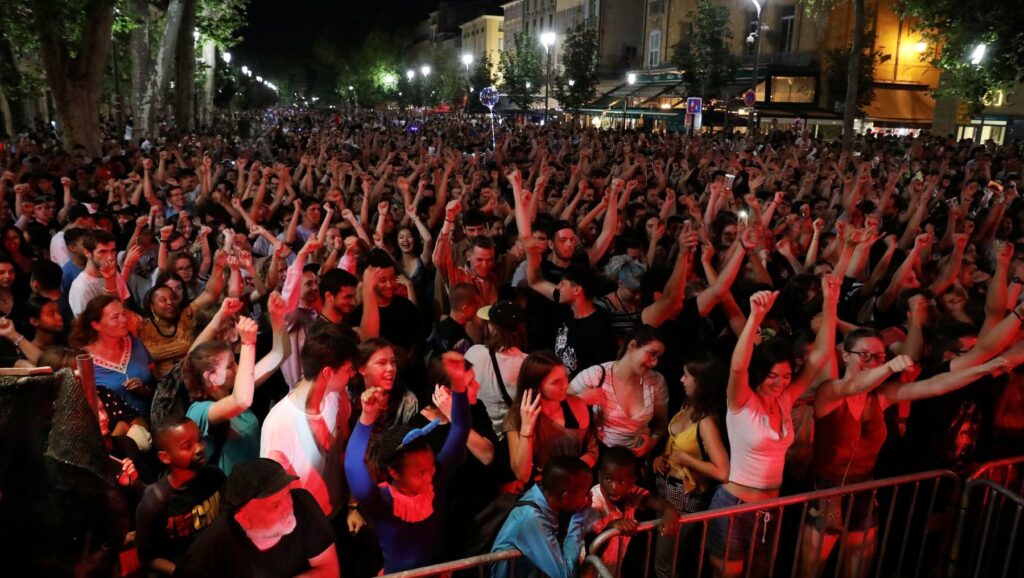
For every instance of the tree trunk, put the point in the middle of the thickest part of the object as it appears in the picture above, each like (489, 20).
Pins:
(853, 75)
(210, 60)
(185, 70)
(7, 124)
(153, 101)
(142, 61)
(76, 82)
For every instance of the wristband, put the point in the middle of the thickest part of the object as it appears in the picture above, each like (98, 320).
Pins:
(18, 341)
(253, 343)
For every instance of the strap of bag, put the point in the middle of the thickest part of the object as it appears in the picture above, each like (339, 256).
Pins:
(501, 382)
(700, 443)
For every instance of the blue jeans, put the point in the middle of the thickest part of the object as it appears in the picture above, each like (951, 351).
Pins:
(756, 526)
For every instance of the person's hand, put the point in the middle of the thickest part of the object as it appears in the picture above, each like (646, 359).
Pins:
(141, 222)
(1004, 252)
(128, 474)
(204, 231)
(233, 263)
(247, 329)
(529, 411)
(355, 521)
(135, 385)
(163, 155)
(7, 329)
(900, 363)
(455, 367)
(831, 286)
(282, 250)
(66, 182)
(236, 204)
(382, 207)
(625, 526)
(277, 307)
(997, 366)
(780, 197)
(108, 269)
(348, 215)
(312, 245)
(669, 524)
(751, 238)
(220, 258)
(245, 260)
(373, 403)
(761, 303)
(165, 233)
(442, 399)
(818, 225)
(134, 254)
(661, 465)
(452, 210)
(918, 308)
(960, 241)
(922, 242)
(230, 306)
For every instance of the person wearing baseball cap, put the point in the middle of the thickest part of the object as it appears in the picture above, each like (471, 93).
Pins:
(290, 532)
(496, 361)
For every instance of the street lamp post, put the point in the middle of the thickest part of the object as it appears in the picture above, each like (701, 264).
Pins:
(630, 80)
(425, 71)
(467, 60)
(757, 64)
(548, 40)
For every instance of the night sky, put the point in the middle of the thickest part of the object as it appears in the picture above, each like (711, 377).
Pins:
(300, 41)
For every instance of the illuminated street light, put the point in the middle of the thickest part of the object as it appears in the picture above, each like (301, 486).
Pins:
(631, 78)
(259, 79)
(572, 82)
(227, 57)
(978, 54)
(467, 59)
(245, 70)
(547, 40)
(409, 75)
(921, 47)
(425, 71)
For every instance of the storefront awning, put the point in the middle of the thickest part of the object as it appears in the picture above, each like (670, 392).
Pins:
(901, 105)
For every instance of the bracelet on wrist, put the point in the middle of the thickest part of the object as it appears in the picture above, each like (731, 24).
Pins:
(17, 342)
(253, 343)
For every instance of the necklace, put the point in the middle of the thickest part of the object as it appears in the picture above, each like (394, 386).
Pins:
(156, 326)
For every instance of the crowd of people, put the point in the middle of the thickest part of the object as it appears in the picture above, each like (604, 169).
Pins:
(350, 343)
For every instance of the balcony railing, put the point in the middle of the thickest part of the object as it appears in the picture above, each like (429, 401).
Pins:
(782, 58)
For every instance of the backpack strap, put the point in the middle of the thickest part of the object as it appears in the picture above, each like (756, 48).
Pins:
(501, 382)
(526, 503)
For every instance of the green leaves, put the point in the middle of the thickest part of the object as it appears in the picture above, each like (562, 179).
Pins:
(521, 66)
(704, 55)
(958, 27)
(579, 65)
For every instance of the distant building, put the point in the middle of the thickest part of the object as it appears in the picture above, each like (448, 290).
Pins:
(482, 35)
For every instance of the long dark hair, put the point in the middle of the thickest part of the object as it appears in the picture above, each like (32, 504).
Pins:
(708, 370)
(537, 366)
(641, 336)
(397, 394)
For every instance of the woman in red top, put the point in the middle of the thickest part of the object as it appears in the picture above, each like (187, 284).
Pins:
(849, 432)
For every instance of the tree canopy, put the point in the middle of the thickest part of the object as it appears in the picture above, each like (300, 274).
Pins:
(521, 70)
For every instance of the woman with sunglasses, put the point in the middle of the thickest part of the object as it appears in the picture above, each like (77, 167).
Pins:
(849, 432)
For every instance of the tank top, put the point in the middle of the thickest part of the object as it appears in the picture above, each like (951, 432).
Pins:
(758, 451)
(841, 440)
(685, 441)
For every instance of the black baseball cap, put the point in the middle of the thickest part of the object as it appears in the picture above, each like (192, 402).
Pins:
(502, 313)
(260, 478)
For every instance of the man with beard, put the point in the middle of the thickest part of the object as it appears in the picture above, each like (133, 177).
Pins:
(180, 505)
(338, 300)
(399, 318)
(100, 276)
(267, 529)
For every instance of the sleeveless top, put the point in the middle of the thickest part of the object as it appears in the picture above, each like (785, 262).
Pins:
(552, 439)
(685, 441)
(758, 451)
(842, 441)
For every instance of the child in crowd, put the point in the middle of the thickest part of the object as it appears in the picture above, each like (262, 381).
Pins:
(616, 499)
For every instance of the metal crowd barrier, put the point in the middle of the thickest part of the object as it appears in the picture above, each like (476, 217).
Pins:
(1006, 472)
(987, 539)
(908, 535)
(478, 563)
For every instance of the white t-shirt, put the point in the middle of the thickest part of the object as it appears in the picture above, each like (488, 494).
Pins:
(59, 253)
(615, 426)
(758, 452)
(286, 432)
(85, 287)
(509, 362)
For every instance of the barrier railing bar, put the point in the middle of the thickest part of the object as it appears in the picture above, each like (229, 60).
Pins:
(884, 537)
(1013, 539)
(647, 557)
(989, 510)
(775, 544)
(985, 468)
(748, 561)
(703, 547)
(843, 534)
(799, 540)
(456, 565)
(598, 565)
(675, 552)
(924, 535)
(906, 529)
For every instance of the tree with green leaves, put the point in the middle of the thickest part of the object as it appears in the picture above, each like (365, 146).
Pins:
(521, 66)
(837, 67)
(853, 64)
(576, 85)
(481, 77)
(958, 28)
(74, 42)
(704, 56)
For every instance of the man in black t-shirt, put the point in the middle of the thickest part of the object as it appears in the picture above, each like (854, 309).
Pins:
(270, 530)
(399, 318)
(452, 332)
(180, 505)
(584, 337)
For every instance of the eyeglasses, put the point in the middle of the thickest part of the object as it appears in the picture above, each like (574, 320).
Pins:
(866, 356)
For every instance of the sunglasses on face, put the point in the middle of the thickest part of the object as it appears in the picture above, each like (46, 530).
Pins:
(867, 356)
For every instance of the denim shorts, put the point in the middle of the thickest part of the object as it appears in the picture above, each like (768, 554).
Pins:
(829, 515)
(758, 526)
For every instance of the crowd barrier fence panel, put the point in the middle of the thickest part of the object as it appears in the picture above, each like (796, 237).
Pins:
(987, 540)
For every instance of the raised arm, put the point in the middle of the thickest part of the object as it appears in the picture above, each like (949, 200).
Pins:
(241, 395)
(609, 228)
(443, 259)
(991, 342)
(534, 252)
(369, 325)
(281, 348)
(738, 390)
(825, 343)
(832, 392)
(895, 392)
